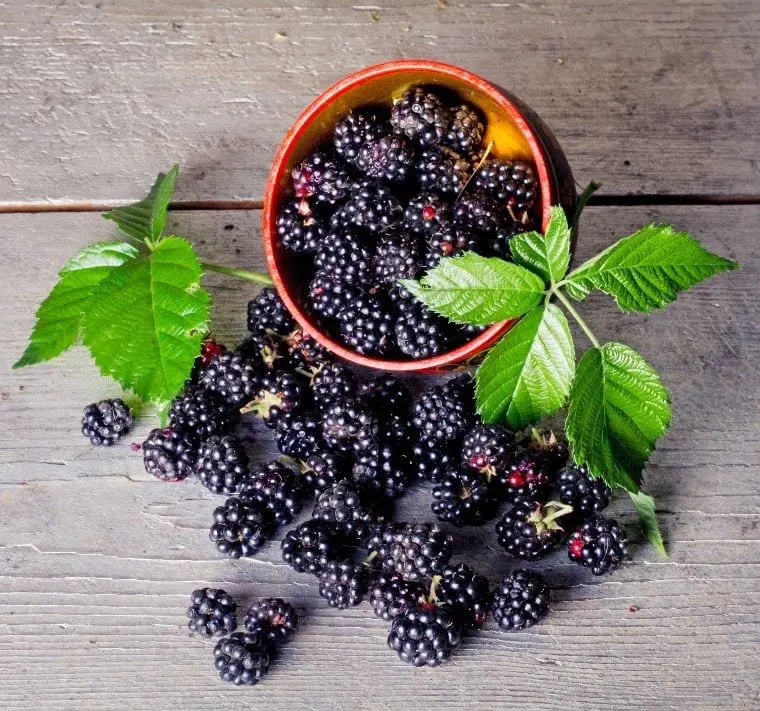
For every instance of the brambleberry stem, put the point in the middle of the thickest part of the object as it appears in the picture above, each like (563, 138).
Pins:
(571, 310)
(256, 277)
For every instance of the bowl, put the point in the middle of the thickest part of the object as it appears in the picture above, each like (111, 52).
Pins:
(516, 132)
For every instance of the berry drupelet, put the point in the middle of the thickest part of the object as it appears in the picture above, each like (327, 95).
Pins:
(386, 392)
(530, 530)
(230, 376)
(321, 179)
(299, 230)
(274, 618)
(343, 583)
(309, 547)
(169, 455)
(240, 528)
(243, 659)
(521, 600)
(486, 448)
(199, 414)
(211, 612)
(424, 635)
(420, 116)
(390, 595)
(222, 464)
(267, 312)
(106, 422)
(466, 594)
(276, 488)
(443, 171)
(599, 544)
(584, 493)
(305, 354)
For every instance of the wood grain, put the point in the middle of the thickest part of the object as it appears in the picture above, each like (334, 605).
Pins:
(98, 96)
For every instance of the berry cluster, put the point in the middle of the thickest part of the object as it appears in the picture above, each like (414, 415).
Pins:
(398, 189)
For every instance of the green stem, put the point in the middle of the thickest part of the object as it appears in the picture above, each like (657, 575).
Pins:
(256, 277)
(571, 310)
(583, 199)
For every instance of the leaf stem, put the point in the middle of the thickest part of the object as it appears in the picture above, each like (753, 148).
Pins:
(256, 277)
(571, 310)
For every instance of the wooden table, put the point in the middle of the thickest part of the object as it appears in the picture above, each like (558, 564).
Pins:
(658, 100)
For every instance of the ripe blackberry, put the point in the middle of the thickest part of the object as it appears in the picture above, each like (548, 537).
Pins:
(465, 131)
(264, 352)
(341, 507)
(396, 429)
(581, 491)
(444, 412)
(390, 595)
(348, 425)
(343, 583)
(279, 392)
(551, 452)
(169, 455)
(464, 501)
(530, 530)
(304, 351)
(231, 377)
(420, 333)
(424, 635)
(466, 593)
(431, 462)
(276, 488)
(298, 434)
(521, 600)
(298, 229)
(449, 240)
(211, 612)
(328, 295)
(386, 392)
(106, 422)
(267, 312)
(366, 325)
(322, 179)
(425, 212)
(332, 382)
(382, 468)
(510, 182)
(222, 464)
(486, 448)
(321, 470)
(498, 243)
(309, 547)
(412, 550)
(599, 544)
(370, 206)
(420, 116)
(243, 659)
(442, 170)
(388, 158)
(199, 414)
(354, 131)
(524, 479)
(274, 618)
(396, 257)
(477, 212)
(240, 528)
(345, 258)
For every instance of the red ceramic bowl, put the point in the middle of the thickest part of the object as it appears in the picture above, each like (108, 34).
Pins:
(515, 130)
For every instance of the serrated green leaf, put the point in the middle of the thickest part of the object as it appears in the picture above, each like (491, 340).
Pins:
(478, 290)
(527, 375)
(644, 504)
(618, 409)
(146, 219)
(647, 269)
(546, 255)
(59, 316)
(147, 320)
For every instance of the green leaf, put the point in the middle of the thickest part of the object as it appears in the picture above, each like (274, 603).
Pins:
(147, 320)
(478, 290)
(527, 375)
(647, 269)
(146, 219)
(644, 504)
(618, 409)
(546, 255)
(59, 317)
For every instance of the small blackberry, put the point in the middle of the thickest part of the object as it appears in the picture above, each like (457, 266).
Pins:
(298, 434)
(413, 551)
(431, 462)
(551, 452)
(477, 212)
(243, 659)
(348, 425)
(276, 488)
(386, 392)
(211, 612)
(499, 243)
(343, 583)
(240, 528)
(106, 422)
(341, 507)
(584, 493)
(169, 455)
(309, 547)
(345, 258)
(425, 212)
(464, 501)
(449, 240)
(599, 544)
(264, 352)
(396, 429)
(199, 414)
(396, 257)
(388, 158)
(322, 179)
(321, 470)
(332, 382)
(390, 595)
(443, 171)
(267, 312)
(222, 464)
(366, 325)
(420, 333)
(370, 206)
(305, 353)
(521, 600)
(524, 479)
(356, 130)
(424, 635)
(486, 448)
(465, 131)
(466, 593)
(420, 116)
(274, 618)
(279, 392)
(382, 468)
(530, 530)
(328, 295)
(510, 182)
(444, 412)
(298, 229)
(231, 377)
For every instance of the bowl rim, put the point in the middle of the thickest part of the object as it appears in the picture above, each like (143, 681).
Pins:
(548, 196)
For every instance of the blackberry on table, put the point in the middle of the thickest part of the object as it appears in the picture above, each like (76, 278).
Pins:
(388, 158)
(396, 429)
(309, 547)
(222, 464)
(466, 593)
(584, 493)
(328, 295)
(413, 550)
(390, 595)
(231, 377)
(424, 635)
(305, 353)
(169, 455)
(442, 170)
(322, 179)
(343, 583)
(550, 451)
(298, 229)
(420, 116)
(425, 212)
(465, 130)
(298, 434)
(279, 392)
(521, 600)
(366, 324)
(530, 530)
(432, 462)
(464, 501)
(525, 479)
(264, 352)
(486, 448)
(345, 257)
(382, 468)
(599, 544)
(332, 382)
(243, 659)
(356, 130)
(512, 183)
(444, 412)
(321, 470)
(341, 506)
(348, 425)
(211, 612)
(274, 618)
(449, 240)
(240, 528)
(397, 257)
(267, 312)
(386, 392)
(478, 212)
(106, 422)
(370, 206)
(276, 488)
(199, 414)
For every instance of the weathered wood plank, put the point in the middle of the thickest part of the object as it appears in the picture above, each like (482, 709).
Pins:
(99, 559)
(98, 96)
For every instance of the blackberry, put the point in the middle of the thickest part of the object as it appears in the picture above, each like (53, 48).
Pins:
(466, 593)
(486, 448)
(584, 493)
(397, 257)
(274, 618)
(386, 392)
(332, 382)
(211, 612)
(521, 600)
(354, 131)
(431, 462)
(343, 583)
(413, 551)
(420, 116)
(510, 182)
(328, 295)
(309, 547)
(276, 488)
(551, 452)
(463, 501)
(321, 470)
(465, 131)
(530, 530)
(199, 414)
(322, 179)
(449, 240)
(267, 312)
(444, 412)
(396, 429)
(169, 455)
(388, 158)
(370, 206)
(348, 425)
(599, 544)
(341, 507)
(442, 170)
(279, 392)
(298, 434)
(366, 325)
(420, 333)
(425, 212)
(243, 659)
(382, 468)
(305, 353)
(424, 635)
(390, 595)
(222, 464)
(240, 528)
(525, 479)
(106, 422)
(263, 351)
(498, 243)
(231, 377)
(477, 212)
(298, 229)
(345, 258)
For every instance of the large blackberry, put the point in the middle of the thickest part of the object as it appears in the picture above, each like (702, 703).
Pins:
(298, 434)
(465, 131)
(388, 158)
(298, 229)
(321, 470)
(420, 115)
(424, 635)
(530, 530)
(449, 240)
(357, 129)
(106, 422)
(551, 452)
(386, 392)
(322, 179)
(524, 479)
(344, 256)
(584, 493)
(486, 448)
(390, 595)
(199, 414)
(231, 377)
(343, 583)
(276, 488)
(366, 325)
(305, 353)
(267, 312)
(279, 392)
(371, 206)
(420, 333)
(477, 212)
(510, 182)
(243, 659)
(425, 212)
(328, 295)
(466, 593)
(309, 547)
(332, 382)
(222, 464)
(413, 550)
(521, 600)
(240, 528)
(348, 425)
(341, 507)
(442, 170)
(396, 257)
(444, 412)
(169, 455)
(599, 544)
(211, 612)
(464, 501)
(274, 618)
(264, 352)
(382, 468)
(431, 462)
(498, 243)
